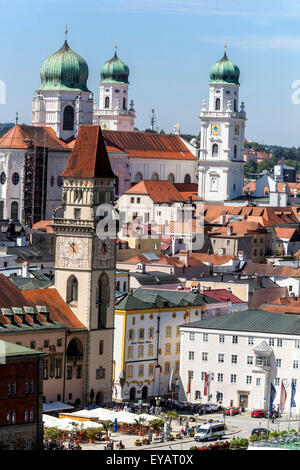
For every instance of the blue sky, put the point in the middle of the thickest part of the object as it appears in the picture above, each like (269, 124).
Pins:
(169, 46)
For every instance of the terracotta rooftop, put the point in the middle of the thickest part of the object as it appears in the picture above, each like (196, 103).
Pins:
(89, 158)
(222, 295)
(147, 145)
(44, 226)
(283, 232)
(11, 296)
(22, 136)
(158, 191)
(270, 271)
(271, 215)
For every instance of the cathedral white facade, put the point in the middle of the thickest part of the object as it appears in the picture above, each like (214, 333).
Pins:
(221, 156)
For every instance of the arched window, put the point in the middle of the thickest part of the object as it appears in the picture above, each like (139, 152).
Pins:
(155, 176)
(218, 104)
(68, 119)
(106, 102)
(72, 289)
(235, 151)
(124, 103)
(187, 178)
(103, 296)
(235, 105)
(171, 178)
(14, 210)
(215, 150)
(138, 177)
(124, 286)
(75, 349)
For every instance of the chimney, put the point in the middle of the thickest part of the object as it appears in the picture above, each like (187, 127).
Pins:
(184, 257)
(222, 219)
(25, 272)
(229, 230)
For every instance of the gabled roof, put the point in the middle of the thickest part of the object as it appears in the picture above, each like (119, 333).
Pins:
(59, 312)
(24, 137)
(148, 145)
(158, 191)
(222, 295)
(89, 158)
(270, 271)
(284, 232)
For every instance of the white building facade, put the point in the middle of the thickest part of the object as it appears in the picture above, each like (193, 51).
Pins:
(243, 361)
(221, 155)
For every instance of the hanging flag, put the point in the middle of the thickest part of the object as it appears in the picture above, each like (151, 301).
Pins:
(189, 381)
(272, 397)
(293, 392)
(206, 384)
(171, 382)
(283, 395)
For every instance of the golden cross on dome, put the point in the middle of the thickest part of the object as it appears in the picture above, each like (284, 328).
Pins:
(116, 46)
(66, 32)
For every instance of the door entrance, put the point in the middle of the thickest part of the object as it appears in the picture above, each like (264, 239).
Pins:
(243, 400)
(132, 394)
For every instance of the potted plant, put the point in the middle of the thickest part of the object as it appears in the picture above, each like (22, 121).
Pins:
(253, 438)
(53, 433)
(244, 443)
(138, 442)
(107, 426)
(91, 434)
(234, 444)
(146, 441)
(140, 425)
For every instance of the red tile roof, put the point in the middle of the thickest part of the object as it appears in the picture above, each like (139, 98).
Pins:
(263, 214)
(44, 226)
(283, 232)
(269, 270)
(158, 191)
(12, 296)
(147, 145)
(89, 158)
(222, 295)
(22, 136)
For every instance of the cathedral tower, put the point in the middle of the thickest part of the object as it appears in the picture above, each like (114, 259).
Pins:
(221, 158)
(115, 113)
(85, 258)
(63, 100)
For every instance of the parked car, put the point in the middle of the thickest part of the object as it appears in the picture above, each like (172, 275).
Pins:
(258, 413)
(259, 431)
(231, 410)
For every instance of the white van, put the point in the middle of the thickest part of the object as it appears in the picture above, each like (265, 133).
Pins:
(210, 431)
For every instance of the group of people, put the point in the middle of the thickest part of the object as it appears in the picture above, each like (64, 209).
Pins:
(110, 445)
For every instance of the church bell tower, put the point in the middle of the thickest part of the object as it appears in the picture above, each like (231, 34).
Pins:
(221, 157)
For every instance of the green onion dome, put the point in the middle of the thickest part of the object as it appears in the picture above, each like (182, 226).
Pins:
(114, 71)
(224, 71)
(64, 70)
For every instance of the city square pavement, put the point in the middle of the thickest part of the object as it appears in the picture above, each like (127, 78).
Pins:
(239, 426)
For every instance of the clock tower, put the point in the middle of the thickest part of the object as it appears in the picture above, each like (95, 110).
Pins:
(221, 156)
(85, 255)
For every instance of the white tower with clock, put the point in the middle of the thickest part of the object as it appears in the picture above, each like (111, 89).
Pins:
(221, 155)
(85, 256)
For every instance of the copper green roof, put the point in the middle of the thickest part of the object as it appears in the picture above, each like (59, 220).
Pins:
(114, 71)
(224, 71)
(260, 321)
(64, 71)
(8, 349)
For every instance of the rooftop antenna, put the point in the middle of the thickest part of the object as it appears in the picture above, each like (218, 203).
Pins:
(17, 117)
(153, 120)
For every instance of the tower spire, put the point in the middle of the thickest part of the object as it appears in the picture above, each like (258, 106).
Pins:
(66, 32)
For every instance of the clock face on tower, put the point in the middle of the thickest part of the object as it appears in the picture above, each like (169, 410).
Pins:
(103, 253)
(215, 129)
(72, 252)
